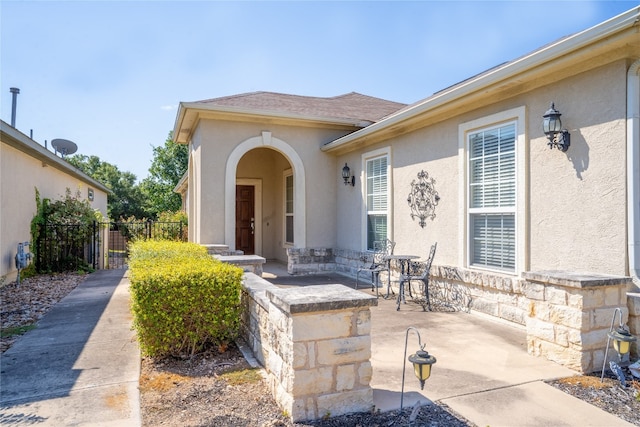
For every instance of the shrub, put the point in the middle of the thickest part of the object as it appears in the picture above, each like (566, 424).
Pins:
(60, 233)
(28, 271)
(168, 226)
(182, 299)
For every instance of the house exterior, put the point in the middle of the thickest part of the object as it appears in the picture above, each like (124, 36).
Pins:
(266, 177)
(24, 166)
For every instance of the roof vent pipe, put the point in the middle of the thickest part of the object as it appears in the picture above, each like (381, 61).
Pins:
(14, 91)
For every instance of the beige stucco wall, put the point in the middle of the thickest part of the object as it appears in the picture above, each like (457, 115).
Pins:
(214, 141)
(574, 201)
(20, 175)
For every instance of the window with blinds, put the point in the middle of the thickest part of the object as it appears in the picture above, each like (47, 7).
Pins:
(492, 197)
(377, 200)
(288, 209)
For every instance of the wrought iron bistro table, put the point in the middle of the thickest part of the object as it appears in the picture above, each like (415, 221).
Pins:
(405, 266)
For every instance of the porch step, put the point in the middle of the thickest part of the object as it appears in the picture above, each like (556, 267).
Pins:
(249, 263)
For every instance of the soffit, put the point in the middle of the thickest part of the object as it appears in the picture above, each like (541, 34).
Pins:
(503, 82)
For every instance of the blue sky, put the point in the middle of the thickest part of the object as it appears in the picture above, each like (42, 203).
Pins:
(109, 75)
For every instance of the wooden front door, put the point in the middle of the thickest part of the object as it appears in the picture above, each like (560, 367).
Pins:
(245, 219)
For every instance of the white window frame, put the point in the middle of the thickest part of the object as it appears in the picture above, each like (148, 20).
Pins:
(366, 157)
(287, 174)
(518, 117)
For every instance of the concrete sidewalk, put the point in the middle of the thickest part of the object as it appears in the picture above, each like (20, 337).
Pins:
(483, 371)
(80, 366)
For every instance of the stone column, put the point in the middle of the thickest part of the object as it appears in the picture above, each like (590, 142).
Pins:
(319, 352)
(570, 313)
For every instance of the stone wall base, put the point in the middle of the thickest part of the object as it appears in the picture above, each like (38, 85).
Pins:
(314, 343)
(566, 314)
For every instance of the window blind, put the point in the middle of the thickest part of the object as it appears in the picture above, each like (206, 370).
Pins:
(377, 200)
(492, 197)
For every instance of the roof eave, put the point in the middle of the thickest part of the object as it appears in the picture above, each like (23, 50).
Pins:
(190, 112)
(483, 81)
(183, 184)
(21, 142)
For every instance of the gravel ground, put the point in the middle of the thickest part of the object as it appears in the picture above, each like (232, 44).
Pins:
(608, 395)
(219, 388)
(22, 306)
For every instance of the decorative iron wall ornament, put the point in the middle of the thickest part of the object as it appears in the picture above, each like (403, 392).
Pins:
(423, 198)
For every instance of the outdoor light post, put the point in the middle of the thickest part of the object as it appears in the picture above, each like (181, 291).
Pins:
(421, 361)
(621, 337)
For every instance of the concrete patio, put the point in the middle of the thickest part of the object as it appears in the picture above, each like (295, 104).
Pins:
(483, 371)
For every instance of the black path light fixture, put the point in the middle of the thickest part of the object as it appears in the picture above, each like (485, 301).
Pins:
(347, 177)
(621, 337)
(423, 198)
(421, 361)
(552, 127)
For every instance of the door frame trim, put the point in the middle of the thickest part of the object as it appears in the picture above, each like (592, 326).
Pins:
(257, 209)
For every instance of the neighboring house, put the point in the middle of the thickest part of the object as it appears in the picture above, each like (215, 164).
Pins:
(265, 171)
(24, 166)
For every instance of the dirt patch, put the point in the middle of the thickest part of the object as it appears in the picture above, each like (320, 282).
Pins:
(209, 389)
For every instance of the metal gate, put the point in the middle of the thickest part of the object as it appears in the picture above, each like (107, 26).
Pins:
(114, 239)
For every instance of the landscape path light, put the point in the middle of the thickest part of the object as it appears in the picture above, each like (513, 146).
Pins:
(421, 361)
(621, 337)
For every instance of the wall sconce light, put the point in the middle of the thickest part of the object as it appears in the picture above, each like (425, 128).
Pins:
(421, 361)
(621, 337)
(552, 127)
(347, 177)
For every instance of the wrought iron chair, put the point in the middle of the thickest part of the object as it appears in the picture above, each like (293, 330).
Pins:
(419, 271)
(378, 264)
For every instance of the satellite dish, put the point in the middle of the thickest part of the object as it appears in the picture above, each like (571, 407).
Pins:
(64, 146)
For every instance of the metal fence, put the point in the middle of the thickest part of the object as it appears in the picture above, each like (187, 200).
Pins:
(66, 247)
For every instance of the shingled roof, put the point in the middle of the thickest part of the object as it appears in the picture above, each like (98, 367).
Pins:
(350, 106)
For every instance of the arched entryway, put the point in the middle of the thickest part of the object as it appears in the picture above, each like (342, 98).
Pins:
(258, 168)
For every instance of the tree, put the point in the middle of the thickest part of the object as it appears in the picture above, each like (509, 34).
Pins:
(169, 164)
(126, 197)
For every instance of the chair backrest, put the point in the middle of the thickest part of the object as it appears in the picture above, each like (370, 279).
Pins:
(421, 269)
(381, 249)
(432, 253)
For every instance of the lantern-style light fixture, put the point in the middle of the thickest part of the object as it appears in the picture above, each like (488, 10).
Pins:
(552, 127)
(421, 361)
(621, 337)
(622, 340)
(347, 177)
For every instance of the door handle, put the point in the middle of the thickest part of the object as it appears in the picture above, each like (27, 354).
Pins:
(253, 225)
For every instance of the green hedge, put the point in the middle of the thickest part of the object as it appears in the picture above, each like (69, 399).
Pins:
(182, 298)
